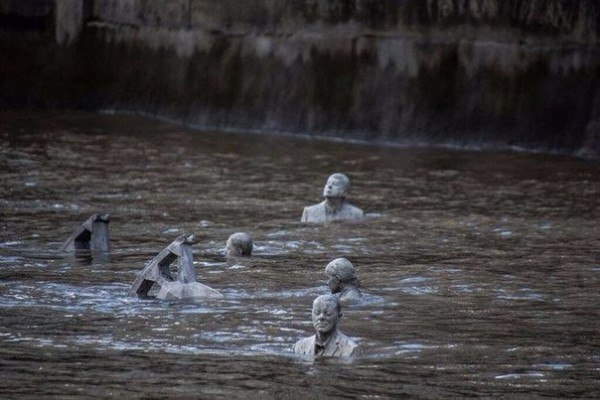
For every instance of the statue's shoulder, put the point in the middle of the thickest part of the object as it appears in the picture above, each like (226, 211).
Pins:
(316, 207)
(352, 295)
(346, 345)
(353, 211)
(305, 346)
(314, 213)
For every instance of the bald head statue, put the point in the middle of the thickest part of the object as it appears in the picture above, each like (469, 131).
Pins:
(327, 340)
(334, 207)
(239, 244)
(337, 185)
(342, 280)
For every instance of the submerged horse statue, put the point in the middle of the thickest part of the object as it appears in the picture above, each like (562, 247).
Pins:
(157, 272)
(90, 235)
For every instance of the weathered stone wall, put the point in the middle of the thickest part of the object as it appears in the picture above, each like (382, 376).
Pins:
(69, 20)
(488, 72)
(575, 19)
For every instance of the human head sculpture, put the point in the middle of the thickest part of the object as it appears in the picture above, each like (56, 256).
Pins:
(340, 272)
(239, 244)
(337, 186)
(326, 314)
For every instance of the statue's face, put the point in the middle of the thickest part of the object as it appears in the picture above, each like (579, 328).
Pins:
(334, 283)
(324, 316)
(335, 187)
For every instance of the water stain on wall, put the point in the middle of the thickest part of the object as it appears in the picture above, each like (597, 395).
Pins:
(485, 72)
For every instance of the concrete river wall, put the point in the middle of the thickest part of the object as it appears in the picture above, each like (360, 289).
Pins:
(464, 72)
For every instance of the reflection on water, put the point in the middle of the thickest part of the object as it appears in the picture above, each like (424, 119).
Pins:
(481, 270)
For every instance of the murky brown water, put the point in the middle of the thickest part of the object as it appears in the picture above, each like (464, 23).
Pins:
(481, 270)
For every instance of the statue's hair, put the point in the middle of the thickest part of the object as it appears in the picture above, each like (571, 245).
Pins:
(342, 269)
(329, 298)
(343, 177)
(241, 243)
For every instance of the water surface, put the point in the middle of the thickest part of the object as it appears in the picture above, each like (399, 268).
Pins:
(481, 270)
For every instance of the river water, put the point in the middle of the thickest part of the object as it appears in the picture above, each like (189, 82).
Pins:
(481, 270)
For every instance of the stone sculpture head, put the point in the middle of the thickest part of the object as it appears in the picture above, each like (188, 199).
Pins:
(337, 186)
(326, 313)
(340, 272)
(239, 244)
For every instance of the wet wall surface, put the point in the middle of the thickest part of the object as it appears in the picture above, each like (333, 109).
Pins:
(520, 74)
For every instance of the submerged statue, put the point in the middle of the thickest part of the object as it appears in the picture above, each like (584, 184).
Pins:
(157, 272)
(239, 244)
(342, 280)
(90, 235)
(328, 340)
(335, 207)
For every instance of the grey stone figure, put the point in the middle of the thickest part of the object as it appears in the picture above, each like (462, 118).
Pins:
(239, 244)
(328, 340)
(91, 235)
(342, 280)
(335, 207)
(157, 272)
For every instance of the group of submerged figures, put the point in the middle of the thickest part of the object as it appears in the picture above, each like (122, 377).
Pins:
(157, 281)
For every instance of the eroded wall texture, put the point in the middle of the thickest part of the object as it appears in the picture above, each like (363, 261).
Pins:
(467, 72)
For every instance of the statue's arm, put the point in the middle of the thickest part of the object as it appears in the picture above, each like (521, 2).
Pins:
(297, 347)
(304, 217)
(303, 347)
(360, 212)
(356, 351)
